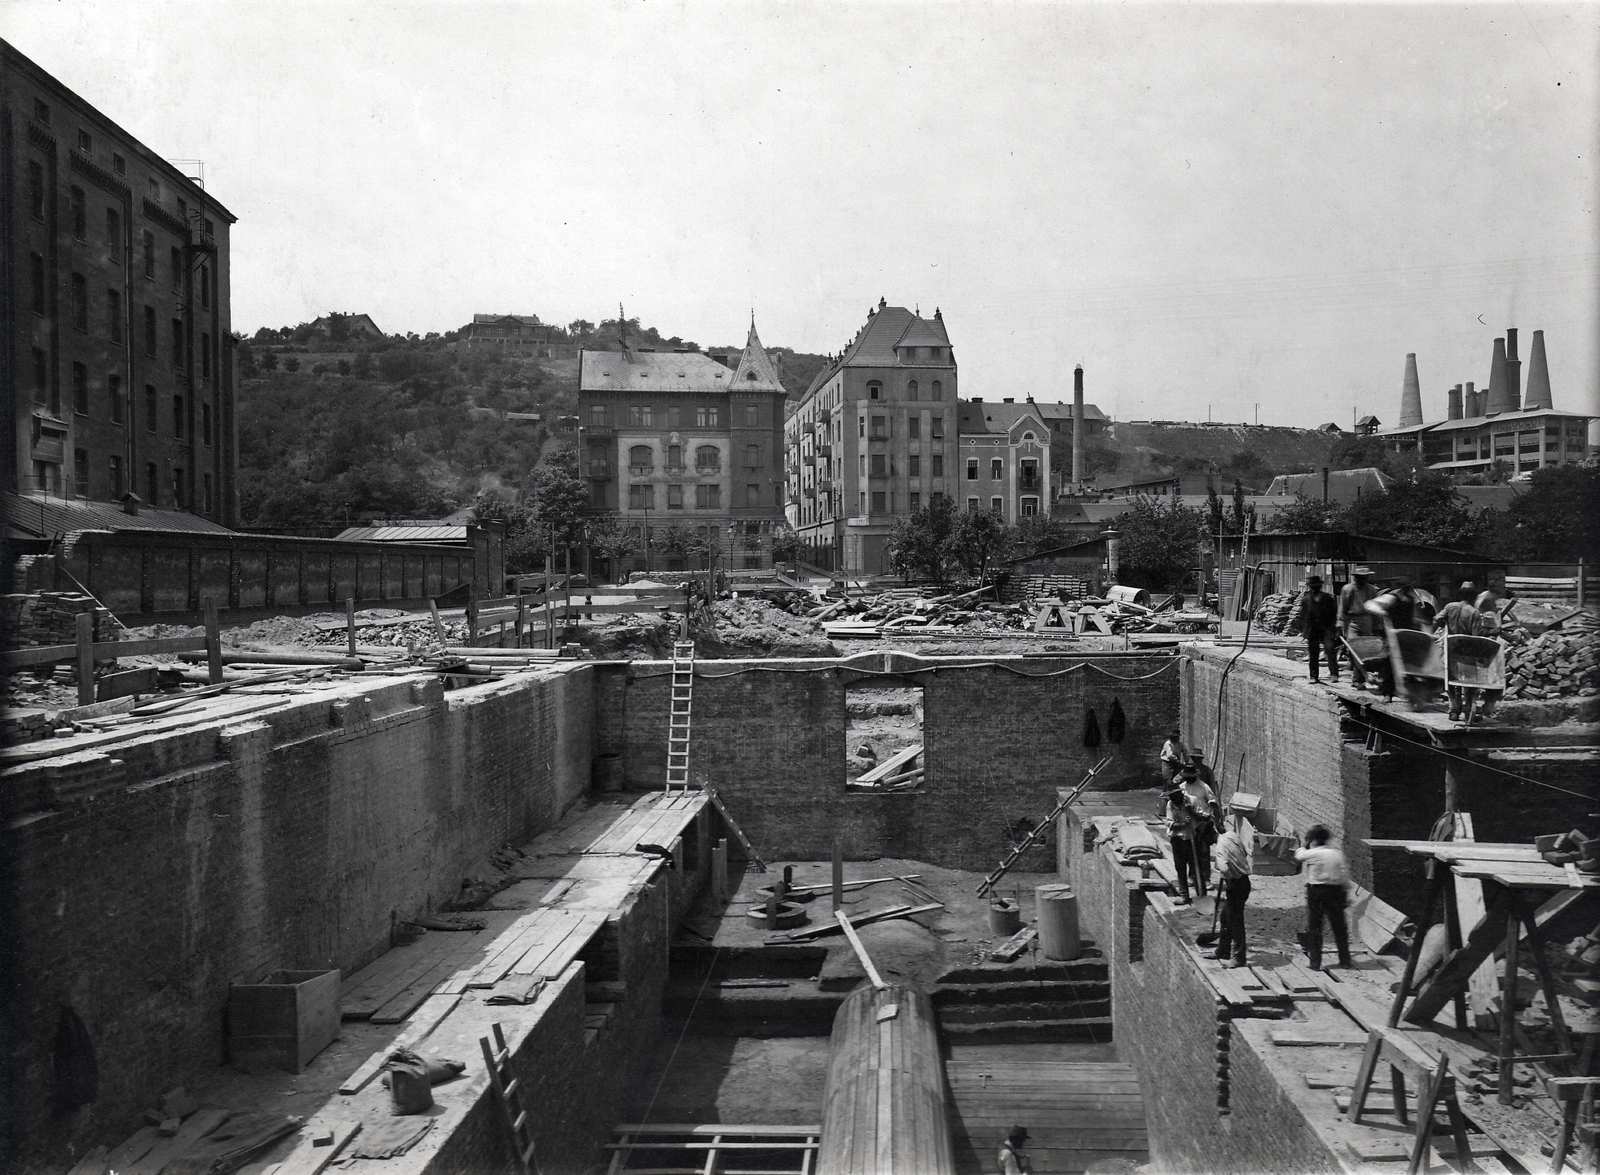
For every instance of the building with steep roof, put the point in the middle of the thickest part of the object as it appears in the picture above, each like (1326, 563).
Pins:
(1003, 454)
(679, 439)
(870, 440)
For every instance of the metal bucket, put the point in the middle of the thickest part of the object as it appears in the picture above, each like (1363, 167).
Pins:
(1005, 918)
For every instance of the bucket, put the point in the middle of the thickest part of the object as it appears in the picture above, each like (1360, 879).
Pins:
(606, 772)
(1005, 919)
(1057, 908)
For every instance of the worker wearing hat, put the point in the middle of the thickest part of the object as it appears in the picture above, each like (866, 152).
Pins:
(1316, 615)
(1352, 617)
(1012, 1160)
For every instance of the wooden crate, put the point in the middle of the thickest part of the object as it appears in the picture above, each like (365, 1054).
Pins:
(285, 1020)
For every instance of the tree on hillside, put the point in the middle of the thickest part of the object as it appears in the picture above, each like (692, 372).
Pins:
(1213, 511)
(1160, 543)
(1423, 509)
(920, 546)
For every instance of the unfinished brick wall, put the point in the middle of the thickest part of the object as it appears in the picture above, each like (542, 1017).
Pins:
(1000, 735)
(149, 879)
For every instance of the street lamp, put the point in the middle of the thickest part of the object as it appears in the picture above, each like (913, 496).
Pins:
(646, 539)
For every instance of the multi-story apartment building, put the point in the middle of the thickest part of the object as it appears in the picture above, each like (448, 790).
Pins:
(520, 336)
(871, 439)
(116, 302)
(1003, 455)
(678, 439)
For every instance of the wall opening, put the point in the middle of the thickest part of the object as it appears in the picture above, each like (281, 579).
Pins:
(883, 735)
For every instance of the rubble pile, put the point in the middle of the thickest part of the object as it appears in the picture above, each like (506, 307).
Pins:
(1558, 663)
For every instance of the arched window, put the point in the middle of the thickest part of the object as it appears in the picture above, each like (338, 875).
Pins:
(938, 390)
(874, 390)
(707, 457)
(640, 459)
(1027, 436)
(911, 389)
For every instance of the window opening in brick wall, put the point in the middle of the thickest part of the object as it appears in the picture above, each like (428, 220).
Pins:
(883, 735)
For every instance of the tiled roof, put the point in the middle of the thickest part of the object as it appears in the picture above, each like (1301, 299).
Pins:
(654, 371)
(974, 418)
(1059, 411)
(1344, 485)
(923, 333)
(427, 533)
(755, 372)
(47, 517)
(1520, 416)
(1119, 481)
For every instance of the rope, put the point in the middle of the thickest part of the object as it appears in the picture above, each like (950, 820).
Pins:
(1171, 664)
(1470, 762)
(687, 1020)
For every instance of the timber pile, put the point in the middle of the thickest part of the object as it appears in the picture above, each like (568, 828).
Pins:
(183, 1136)
(1559, 663)
(1551, 590)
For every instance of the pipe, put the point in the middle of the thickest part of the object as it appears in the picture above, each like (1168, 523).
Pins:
(1513, 371)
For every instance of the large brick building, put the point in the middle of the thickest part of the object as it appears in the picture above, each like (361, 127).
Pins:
(116, 302)
(676, 438)
(871, 439)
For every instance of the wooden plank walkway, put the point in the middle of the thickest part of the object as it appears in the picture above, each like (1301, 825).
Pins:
(1076, 1112)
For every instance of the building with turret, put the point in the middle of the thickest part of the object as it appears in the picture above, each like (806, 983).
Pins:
(1502, 423)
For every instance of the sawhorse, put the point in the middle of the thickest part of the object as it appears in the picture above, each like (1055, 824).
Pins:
(1435, 1083)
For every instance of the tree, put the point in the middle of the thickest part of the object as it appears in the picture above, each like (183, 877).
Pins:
(557, 496)
(1160, 543)
(1040, 532)
(1307, 514)
(1213, 511)
(786, 545)
(1423, 509)
(980, 539)
(1558, 518)
(920, 546)
(1239, 514)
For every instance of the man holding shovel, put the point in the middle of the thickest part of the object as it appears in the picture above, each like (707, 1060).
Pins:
(1233, 851)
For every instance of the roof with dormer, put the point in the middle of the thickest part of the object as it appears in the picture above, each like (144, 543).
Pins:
(888, 328)
(755, 371)
(653, 371)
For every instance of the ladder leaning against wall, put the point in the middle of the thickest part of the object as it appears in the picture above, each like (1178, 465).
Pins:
(679, 720)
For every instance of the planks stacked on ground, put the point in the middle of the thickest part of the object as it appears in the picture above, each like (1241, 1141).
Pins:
(883, 1107)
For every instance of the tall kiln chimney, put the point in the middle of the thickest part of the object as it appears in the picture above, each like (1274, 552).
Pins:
(1454, 410)
(1499, 401)
(1411, 395)
(1077, 429)
(1513, 370)
(1538, 394)
(1469, 402)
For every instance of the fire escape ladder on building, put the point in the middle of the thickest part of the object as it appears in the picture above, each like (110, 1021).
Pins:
(508, 1092)
(682, 702)
(1015, 854)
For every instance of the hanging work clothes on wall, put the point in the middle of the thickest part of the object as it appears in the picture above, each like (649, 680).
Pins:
(77, 1074)
(1117, 724)
(1091, 730)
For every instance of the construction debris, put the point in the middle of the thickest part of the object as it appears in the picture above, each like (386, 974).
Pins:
(1558, 663)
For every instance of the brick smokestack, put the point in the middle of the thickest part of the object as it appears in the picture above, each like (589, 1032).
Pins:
(1077, 429)
(1513, 370)
(1538, 395)
(1499, 401)
(1411, 395)
(1454, 411)
(1469, 402)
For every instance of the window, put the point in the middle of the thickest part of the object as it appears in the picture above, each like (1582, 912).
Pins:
(153, 190)
(914, 426)
(752, 494)
(640, 416)
(36, 276)
(205, 287)
(85, 141)
(177, 343)
(752, 456)
(80, 389)
(151, 484)
(1030, 507)
(41, 376)
(997, 505)
(205, 355)
(178, 498)
(114, 394)
(752, 413)
(878, 501)
(708, 497)
(80, 472)
(1029, 474)
(706, 416)
(114, 469)
(80, 301)
(936, 496)
(598, 416)
(114, 233)
(177, 416)
(880, 426)
(972, 469)
(707, 458)
(80, 214)
(177, 268)
(150, 331)
(150, 407)
(641, 497)
(205, 423)
(938, 428)
(938, 391)
(863, 465)
(972, 505)
(206, 481)
(149, 240)
(114, 309)
(911, 389)
(862, 423)
(641, 459)
(863, 507)
(938, 465)
(41, 112)
(36, 189)
(674, 417)
(674, 497)
(914, 465)
(880, 465)
(997, 468)
(120, 166)
(674, 457)
(916, 501)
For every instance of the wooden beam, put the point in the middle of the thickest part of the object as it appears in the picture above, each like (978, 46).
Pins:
(861, 952)
(1458, 968)
(85, 649)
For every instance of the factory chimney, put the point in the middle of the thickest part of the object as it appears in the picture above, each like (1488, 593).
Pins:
(1454, 410)
(1469, 402)
(1538, 375)
(1499, 401)
(1077, 429)
(1513, 370)
(1411, 395)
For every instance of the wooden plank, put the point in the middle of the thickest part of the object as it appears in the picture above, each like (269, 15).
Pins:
(134, 1149)
(195, 1127)
(1015, 945)
(411, 997)
(550, 963)
(307, 1158)
(423, 1021)
(861, 952)
(511, 945)
(1296, 1038)
(382, 979)
(1297, 979)
(700, 1130)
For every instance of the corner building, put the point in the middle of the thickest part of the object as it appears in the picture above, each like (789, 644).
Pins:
(118, 346)
(679, 439)
(873, 439)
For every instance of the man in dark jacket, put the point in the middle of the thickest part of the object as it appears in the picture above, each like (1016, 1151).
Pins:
(1316, 615)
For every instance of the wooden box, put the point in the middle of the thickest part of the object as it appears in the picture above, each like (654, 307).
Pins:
(285, 1020)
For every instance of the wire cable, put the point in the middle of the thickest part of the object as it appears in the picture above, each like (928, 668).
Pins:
(1469, 762)
(687, 1020)
(1172, 664)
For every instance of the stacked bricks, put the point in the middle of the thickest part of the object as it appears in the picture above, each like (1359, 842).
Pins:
(1559, 663)
(51, 618)
(1018, 588)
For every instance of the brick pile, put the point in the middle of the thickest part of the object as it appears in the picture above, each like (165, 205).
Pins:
(51, 618)
(1559, 663)
(1018, 588)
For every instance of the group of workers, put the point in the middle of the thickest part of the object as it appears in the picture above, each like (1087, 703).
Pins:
(1332, 627)
(1201, 833)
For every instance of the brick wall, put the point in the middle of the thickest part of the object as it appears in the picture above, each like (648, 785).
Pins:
(1000, 735)
(148, 879)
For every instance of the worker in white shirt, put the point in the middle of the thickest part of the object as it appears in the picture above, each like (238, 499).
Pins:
(1327, 894)
(1173, 756)
(1012, 1160)
(1232, 856)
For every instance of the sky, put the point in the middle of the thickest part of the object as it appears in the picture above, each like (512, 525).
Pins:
(1226, 211)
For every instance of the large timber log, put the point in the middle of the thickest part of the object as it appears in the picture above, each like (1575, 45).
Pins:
(883, 1110)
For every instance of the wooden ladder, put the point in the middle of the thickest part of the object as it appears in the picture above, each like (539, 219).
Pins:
(1015, 854)
(508, 1091)
(679, 722)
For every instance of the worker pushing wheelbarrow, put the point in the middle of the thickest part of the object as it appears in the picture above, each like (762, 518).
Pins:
(1382, 633)
(1474, 656)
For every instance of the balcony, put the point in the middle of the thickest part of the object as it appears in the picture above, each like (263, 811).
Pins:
(603, 470)
(705, 470)
(640, 470)
(824, 450)
(600, 430)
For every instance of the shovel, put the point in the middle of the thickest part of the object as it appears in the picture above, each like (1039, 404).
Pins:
(1209, 937)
